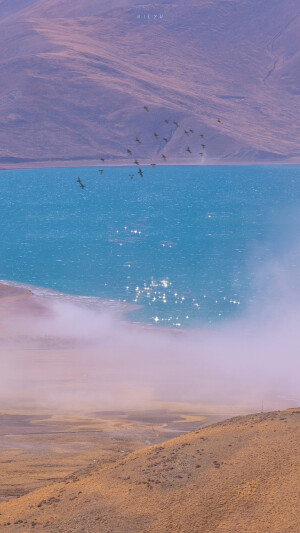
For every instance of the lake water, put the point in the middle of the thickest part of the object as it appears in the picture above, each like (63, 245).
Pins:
(187, 244)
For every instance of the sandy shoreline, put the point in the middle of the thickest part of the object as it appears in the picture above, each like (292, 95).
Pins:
(96, 164)
(12, 292)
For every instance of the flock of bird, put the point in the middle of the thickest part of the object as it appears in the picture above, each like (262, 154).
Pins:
(188, 132)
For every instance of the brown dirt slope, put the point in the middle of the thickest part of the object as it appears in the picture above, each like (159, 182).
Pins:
(237, 476)
(76, 74)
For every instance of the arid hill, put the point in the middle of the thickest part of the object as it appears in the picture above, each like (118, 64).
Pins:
(75, 76)
(237, 476)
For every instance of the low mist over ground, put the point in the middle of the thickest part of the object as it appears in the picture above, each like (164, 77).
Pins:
(67, 355)
(76, 75)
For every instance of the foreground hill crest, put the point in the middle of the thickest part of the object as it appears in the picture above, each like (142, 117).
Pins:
(238, 475)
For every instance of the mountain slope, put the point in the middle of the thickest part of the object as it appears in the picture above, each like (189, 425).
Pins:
(76, 76)
(234, 476)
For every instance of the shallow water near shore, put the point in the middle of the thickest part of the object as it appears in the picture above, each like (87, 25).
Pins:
(186, 245)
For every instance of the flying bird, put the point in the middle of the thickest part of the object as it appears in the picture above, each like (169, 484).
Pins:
(187, 133)
(80, 183)
(166, 121)
(201, 135)
(165, 139)
(192, 131)
(220, 121)
(140, 172)
(155, 135)
(102, 159)
(188, 150)
(146, 108)
(101, 171)
(153, 165)
(203, 146)
(136, 162)
(176, 124)
(201, 153)
(129, 151)
(138, 140)
(131, 176)
(164, 157)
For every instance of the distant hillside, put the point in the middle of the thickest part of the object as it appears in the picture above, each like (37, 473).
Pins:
(75, 75)
(237, 476)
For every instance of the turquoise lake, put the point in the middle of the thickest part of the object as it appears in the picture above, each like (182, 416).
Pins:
(187, 244)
